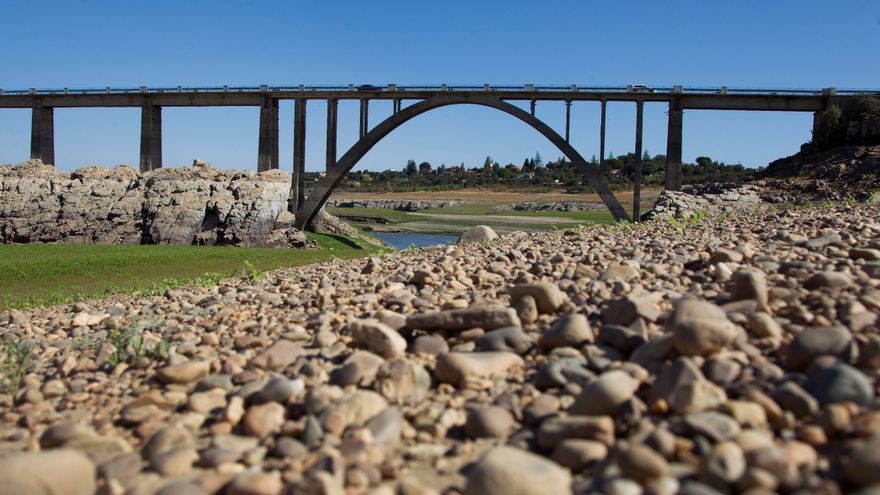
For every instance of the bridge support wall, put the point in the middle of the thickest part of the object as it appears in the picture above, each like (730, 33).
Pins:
(298, 180)
(673, 147)
(637, 173)
(602, 135)
(43, 133)
(332, 111)
(267, 154)
(151, 137)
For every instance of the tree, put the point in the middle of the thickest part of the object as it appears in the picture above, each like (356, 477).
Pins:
(487, 163)
(424, 168)
(411, 167)
(538, 161)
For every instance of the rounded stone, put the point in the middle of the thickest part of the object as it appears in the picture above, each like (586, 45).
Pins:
(700, 328)
(263, 419)
(511, 471)
(818, 341)
(577, 454)
(570, 330)
(605, 394)
(53, 472)
(478, 233)
(642, 464)
(489, 422)
(839, 383)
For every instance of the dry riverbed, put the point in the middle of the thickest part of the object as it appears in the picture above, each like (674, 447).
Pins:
(730, 355)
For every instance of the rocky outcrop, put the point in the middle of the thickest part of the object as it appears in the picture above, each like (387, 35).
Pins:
(711, 199)
(549, 206)
(191, 205)
(395, 204)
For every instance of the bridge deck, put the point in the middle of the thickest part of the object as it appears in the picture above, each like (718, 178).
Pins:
(804, 100)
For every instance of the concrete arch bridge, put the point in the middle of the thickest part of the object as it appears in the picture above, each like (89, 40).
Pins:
(426, 98)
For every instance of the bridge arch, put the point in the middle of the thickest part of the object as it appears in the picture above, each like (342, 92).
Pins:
(325, 186)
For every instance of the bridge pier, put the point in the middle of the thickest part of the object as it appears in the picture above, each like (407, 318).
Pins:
(365, 117)
(637, 173)
(43, 133)
(567, 119)
(151, 137)
(267, 154)
(332, 107)
(602, 136)
(298, 180)
(673, 147)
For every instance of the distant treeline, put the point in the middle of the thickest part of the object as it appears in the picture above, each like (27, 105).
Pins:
(536, 175)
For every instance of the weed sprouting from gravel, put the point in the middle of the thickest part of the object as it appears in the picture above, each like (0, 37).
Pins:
(17, 361)
(129, 345)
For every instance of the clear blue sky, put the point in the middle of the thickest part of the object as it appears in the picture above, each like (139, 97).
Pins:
(89, 43)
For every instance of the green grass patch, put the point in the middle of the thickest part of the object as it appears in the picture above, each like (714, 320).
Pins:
(584, 216)
(392, 215)
(46, 274)
(463, 209)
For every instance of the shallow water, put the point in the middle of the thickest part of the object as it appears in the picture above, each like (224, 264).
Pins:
(403, 240)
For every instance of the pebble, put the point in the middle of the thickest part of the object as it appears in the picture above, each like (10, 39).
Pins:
(750, 284)
(403, 381)
(569, 331)
(818, 341)
(511, 471)
(555, 430)
(454, 367)
(624, 311)
(261, 420)
(187, 372)
(716, 426)
(487, 318)
(255, 483)
(548, 298)
(700, 328)
(578, 455)
(723, 466)
(59, 471)
(378, 338)
(834, 280)
(488, 422)
(641, 463)
(281, 354)
(839, 383)
(605, 395)
(430, 345)
(511, 339)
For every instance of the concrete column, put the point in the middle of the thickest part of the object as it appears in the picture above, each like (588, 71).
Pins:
(602, 136)
(637, 174)
(43, 133)
(817, 125)
(298, 181)
(532, 108)
(673, 147)
(567, 119)
(332, 106)
(397, 105)
(151, 137)
(267, 155)
(365, 117)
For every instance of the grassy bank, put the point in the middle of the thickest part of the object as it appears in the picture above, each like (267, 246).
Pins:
(455, 219)
(45, 274)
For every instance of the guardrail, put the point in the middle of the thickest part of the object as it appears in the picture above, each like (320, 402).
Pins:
(528, 88)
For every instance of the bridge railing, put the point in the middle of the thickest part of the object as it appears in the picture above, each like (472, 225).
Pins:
(527, 88)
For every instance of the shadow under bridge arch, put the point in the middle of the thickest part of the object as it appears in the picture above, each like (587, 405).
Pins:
(322, 190)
